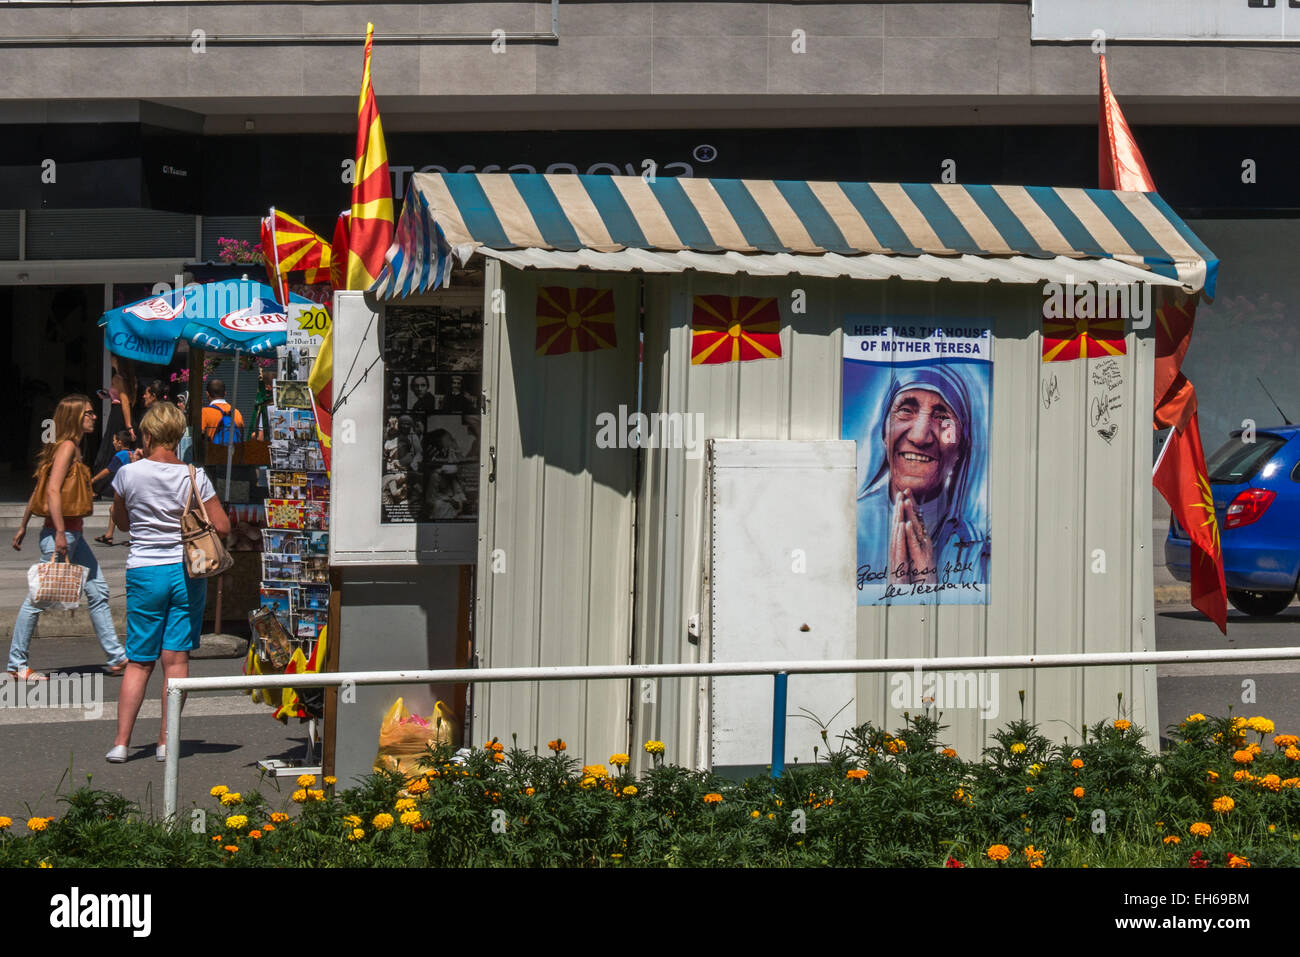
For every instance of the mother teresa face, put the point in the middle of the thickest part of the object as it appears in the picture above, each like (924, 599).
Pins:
(924, 439)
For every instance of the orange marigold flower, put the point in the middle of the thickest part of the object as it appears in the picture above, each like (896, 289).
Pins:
(1286, 740)
(255, 834)
(1222, 805)
(1076, 763)
(713, 797)
(1243, 757)
(418, 786)
(998, 852)
(1236, 861)
(895, 745)
(1122, 725)
(557, 745)
(268, 828)
(1200, 829)
(1242, 775)
(1292, 753)
(1078, 792)
(1213, 775)
(857, 774)
(232, 848)
(1271, 781)
(948, 753)
(1173, 839)
(279, 817)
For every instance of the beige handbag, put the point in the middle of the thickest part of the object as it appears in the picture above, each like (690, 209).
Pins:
(205, 555)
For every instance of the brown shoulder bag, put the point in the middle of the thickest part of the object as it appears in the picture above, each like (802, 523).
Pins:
(78, 499)
(205, 555)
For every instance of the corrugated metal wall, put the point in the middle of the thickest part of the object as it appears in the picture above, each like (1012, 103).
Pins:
(1059, 493)
(557, 524)
(1063, 499)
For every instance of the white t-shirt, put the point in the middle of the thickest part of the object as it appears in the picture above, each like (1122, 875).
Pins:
(155, 494)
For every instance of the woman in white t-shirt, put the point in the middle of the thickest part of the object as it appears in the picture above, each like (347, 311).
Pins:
(164, 606)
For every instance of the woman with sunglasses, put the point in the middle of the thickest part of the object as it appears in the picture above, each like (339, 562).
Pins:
(61, 537)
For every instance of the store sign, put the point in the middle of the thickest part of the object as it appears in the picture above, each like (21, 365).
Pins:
(1189, 21)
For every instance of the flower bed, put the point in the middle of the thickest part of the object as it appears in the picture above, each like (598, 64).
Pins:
(1226, 794)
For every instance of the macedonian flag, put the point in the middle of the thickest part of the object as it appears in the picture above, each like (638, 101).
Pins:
(1065, 339)
(289, 246)
(734, 329)
(574, 320)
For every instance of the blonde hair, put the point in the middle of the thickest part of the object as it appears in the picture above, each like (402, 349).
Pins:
(67, 425)
(165, 424)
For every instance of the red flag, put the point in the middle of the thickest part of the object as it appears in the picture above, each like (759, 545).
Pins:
(289, 246)
(1119, 162)
(339, 249)
(574, 320)
(1181, 477)
(734, 329)
(370, 229)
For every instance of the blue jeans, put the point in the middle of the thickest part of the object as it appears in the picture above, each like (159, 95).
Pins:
(96, 594)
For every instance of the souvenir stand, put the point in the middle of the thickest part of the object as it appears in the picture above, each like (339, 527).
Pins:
(702, 402)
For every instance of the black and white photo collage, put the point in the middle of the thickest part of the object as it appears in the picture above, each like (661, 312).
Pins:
(433, 360)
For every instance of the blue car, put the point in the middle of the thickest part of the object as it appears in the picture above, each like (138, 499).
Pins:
(1256, 489)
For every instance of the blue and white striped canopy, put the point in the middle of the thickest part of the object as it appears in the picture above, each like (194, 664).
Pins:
(448, 214)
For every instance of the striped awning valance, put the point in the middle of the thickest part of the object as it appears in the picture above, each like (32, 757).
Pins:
(456, 213)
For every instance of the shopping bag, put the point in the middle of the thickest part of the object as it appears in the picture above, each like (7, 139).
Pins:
(56, 584)
(403, 737)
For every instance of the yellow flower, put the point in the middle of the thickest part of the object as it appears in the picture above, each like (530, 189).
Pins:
(1077, 763)
(1285, 741)
(279, 817)
(587, 783)
(306, 780)
(352, 820)
(1029, 790)
(38, 823)
(713, 797)
(299, 796)
(1078, 792)
(404, 804)
(895, 745)
(1290, 782)
(857, 774)
(1262, 725)
(1200, 829)
(410, 818)
(382, 821)
(1272, 828)
(629, 791)
(1271, 781)
(1254, 749)
(654, 747)
(998, 852)
(6, 823)
(317, 795)
(595, 771)
(236, 821)
(1160, 825)
(1292, 753)
(231, 798)
(619, 760)
(1242, 757)
(530, 791)
(45, 864)
(1242, 775)
(1035, 857)
(356, 834)
(1122, 725)
(948, 753)
(1033, 770)
(1222, 805)
(1017, 748)
(1213, 775)
(771, 816)
(219, 790)
(753, 814)
(331, 780)
(1194, 718)
(1235, 861)
(418, 786)
(958, 794)
(1173, 839)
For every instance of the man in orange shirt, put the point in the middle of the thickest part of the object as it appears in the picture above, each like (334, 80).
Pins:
(215, 412)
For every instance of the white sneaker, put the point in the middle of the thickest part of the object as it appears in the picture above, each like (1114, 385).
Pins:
(161, 753)
(117, 755)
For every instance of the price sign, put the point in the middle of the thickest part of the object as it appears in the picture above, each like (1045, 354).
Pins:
(307, 325)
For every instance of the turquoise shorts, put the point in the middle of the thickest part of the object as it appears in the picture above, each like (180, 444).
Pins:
(164, 610)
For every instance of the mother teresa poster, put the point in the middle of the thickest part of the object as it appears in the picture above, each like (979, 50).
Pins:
(917, 400)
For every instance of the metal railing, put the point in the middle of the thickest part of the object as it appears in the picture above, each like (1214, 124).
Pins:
(780, 671)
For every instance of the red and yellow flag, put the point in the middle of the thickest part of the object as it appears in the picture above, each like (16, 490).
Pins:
(734, 329)
(1181, 477)
(1119, 161)
(574, 320)
(1065, 339)
(289, 246)
(370, 228)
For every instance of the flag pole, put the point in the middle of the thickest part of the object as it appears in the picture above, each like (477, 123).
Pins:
(280, 291)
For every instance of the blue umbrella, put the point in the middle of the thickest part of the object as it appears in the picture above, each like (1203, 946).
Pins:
(230, 316)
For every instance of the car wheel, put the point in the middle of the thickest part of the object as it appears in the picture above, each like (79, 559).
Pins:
(1259, 604)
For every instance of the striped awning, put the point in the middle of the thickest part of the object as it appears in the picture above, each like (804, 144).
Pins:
(570, 221)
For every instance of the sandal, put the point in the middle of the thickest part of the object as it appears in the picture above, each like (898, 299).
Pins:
(105, 540)
(26, 674)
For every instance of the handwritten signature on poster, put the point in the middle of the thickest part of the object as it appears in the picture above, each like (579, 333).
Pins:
(1109, 376)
